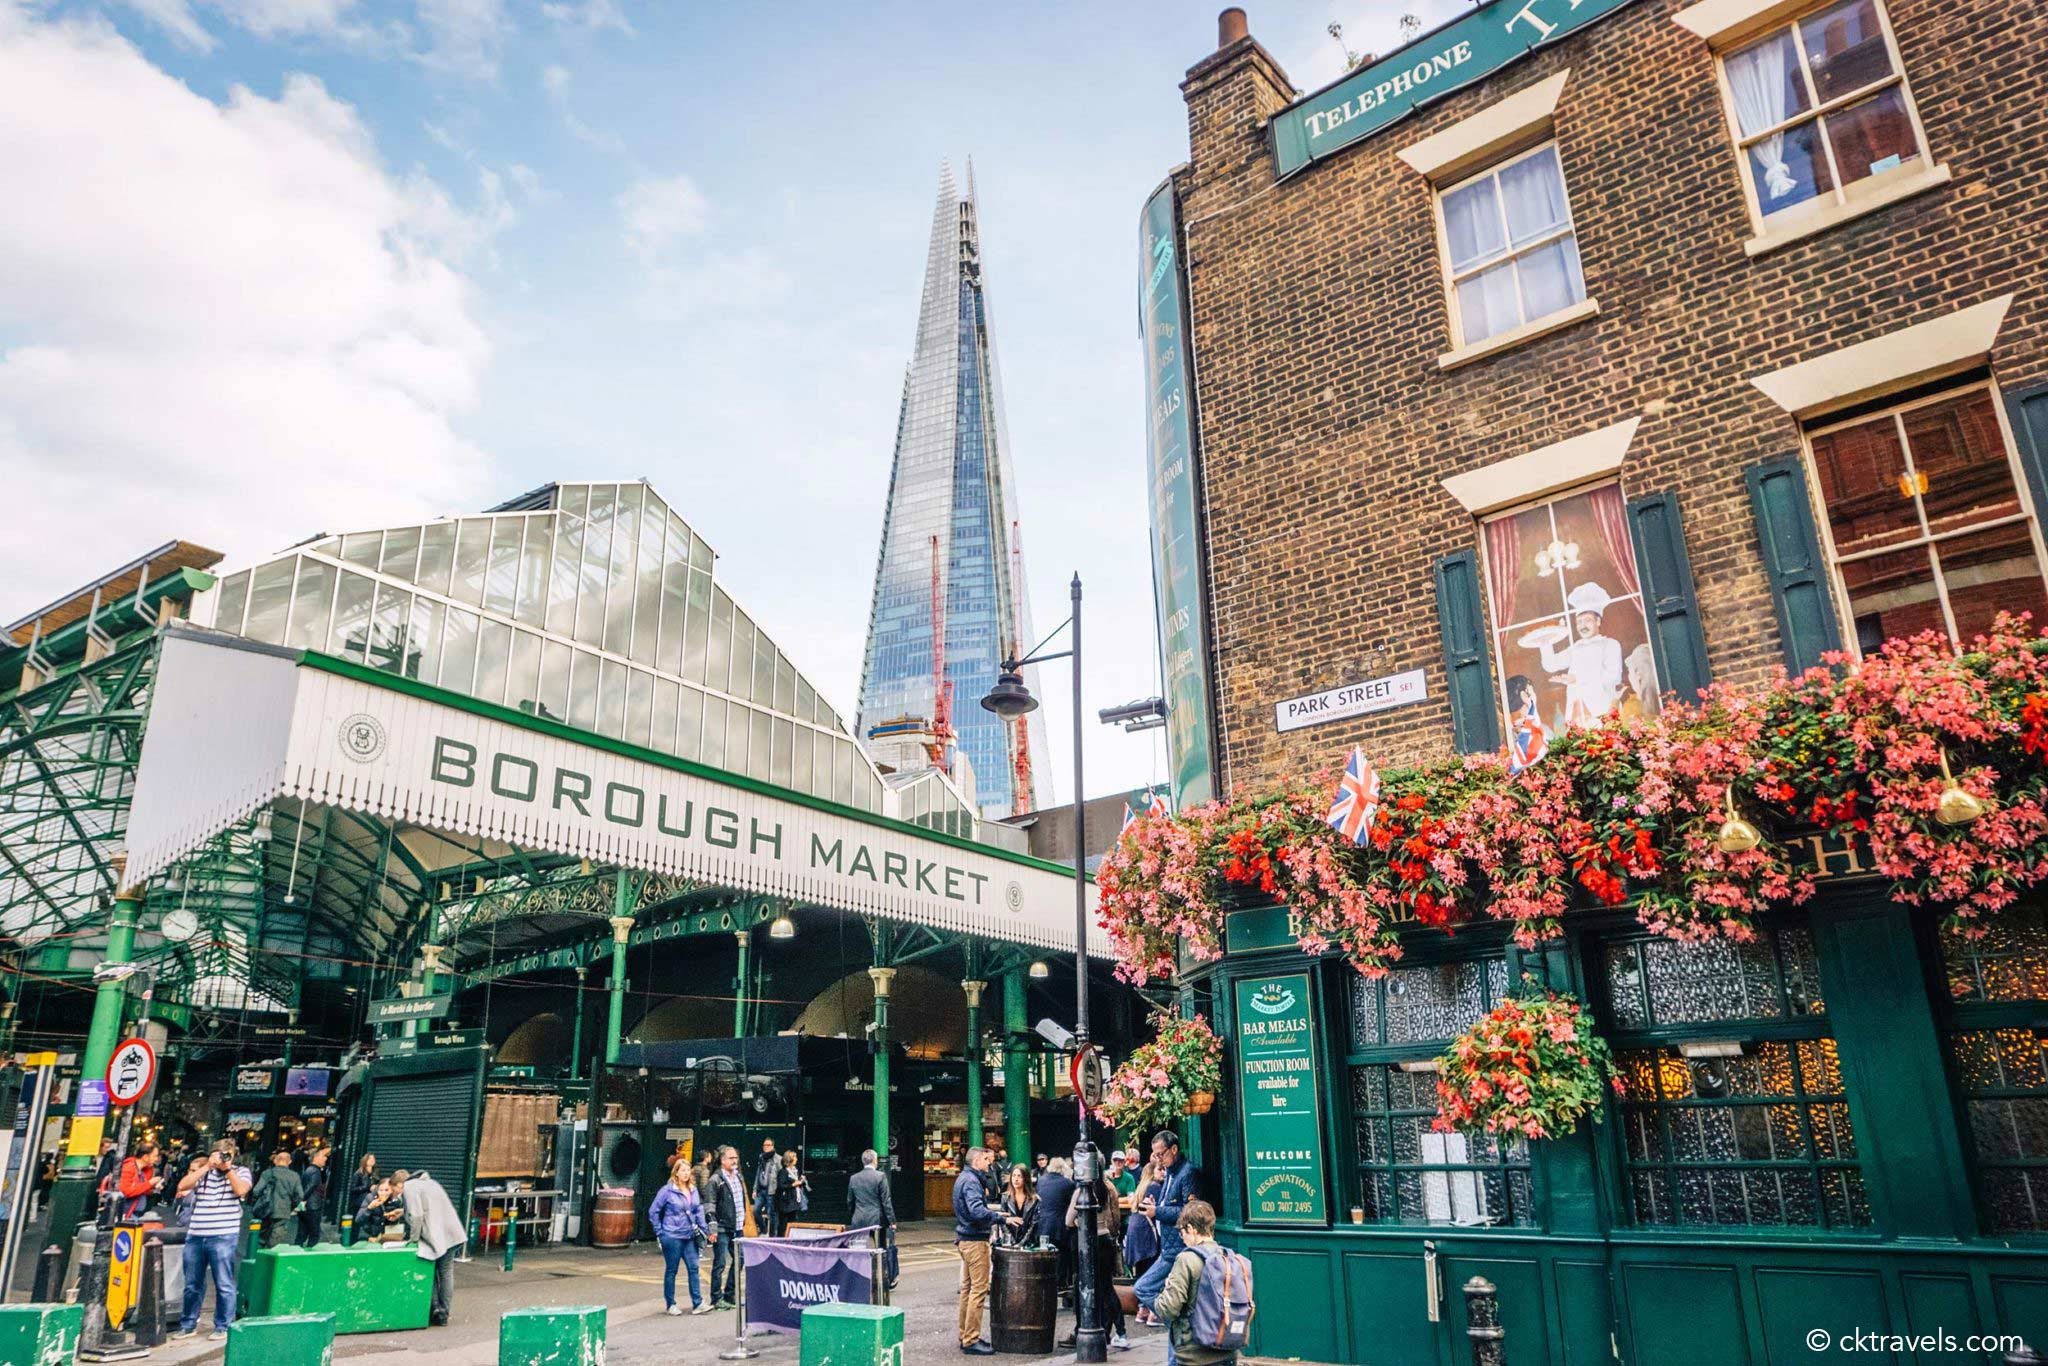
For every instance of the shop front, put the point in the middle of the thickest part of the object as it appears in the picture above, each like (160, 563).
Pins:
(1833, 1128)
(274, 1105)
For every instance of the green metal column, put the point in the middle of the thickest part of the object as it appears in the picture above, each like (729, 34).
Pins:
(1016, 1066)
(739, 984)
(622, 926)
(576, 1033)
(973, 1052)
(882, 978)
(73, 1191)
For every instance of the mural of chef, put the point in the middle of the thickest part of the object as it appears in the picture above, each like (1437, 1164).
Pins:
(1590, 667)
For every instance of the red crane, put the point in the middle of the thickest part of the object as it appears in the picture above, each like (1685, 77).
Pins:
(941, 749)
(1020, 798)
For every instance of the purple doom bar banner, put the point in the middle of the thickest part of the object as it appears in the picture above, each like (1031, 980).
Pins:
(785, 1276)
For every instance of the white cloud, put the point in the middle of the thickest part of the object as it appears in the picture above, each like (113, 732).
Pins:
(655, 212)
(465, 37)
(590, 14)
(176, 18)
(291, 18)
(229, 322)
(556, 80)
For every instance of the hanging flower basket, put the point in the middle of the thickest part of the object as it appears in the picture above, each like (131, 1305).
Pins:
(1529, 1069)
(1167, 1078)
(1200, 1103)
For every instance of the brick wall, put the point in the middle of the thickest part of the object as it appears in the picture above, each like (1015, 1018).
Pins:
(1318, 317)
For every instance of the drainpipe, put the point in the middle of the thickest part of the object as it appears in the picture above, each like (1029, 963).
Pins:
(973, 1051)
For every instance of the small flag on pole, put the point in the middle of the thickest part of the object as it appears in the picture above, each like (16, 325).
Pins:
(1158, 806)
(1130, 819)
(1358, 797)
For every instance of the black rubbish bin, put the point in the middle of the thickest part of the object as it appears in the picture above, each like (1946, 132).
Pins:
(1024, 1297)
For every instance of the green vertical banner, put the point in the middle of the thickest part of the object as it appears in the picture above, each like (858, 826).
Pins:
(1173, 480)
(1280, 1101)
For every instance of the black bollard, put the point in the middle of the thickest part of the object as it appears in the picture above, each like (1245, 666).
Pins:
(1482, 1323)
(147, 1322)
(49, 1287)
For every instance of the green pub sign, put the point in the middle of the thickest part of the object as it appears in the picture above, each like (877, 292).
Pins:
(395, 1009)
(1279, 1101)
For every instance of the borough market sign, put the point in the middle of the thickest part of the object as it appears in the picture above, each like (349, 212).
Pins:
(1453, 57)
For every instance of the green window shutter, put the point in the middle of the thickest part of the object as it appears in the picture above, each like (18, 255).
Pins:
(2029, 411)
(1468, 676)
(1668, 602)
(1792, 561)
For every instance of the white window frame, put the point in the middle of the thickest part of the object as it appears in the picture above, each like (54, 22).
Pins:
(1463, 347)
(1897, 413)
(1840, 202)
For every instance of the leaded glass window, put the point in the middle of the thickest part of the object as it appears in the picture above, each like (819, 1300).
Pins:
(1407, 1173)
(1736, 1115)
(1997, 1026)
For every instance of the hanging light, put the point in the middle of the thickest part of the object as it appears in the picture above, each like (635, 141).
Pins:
(1040, 971)
(1737, 835)
(1009, 697)
(782, 927)
(1957, 806)
(261, 833)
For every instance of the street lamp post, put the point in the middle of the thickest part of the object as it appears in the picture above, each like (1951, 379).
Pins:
(1010, 698)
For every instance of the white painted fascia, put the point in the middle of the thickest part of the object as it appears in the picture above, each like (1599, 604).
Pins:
(1923, 351)
(1470, 142)
(1539, 473)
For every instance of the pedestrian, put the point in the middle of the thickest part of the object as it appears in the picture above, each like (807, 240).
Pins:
(872, 1206)
(46, 1179)
(1017, 1215)
(276, 1200)
(137, 1180)
(1171, 1190)
(431, 1219)
(678, 1218)
(792, 1192)
(216, 1184)
(728, 1219)
(1176, 1299)
(767, 1180)
(1043, 1165)
(109, 1163)
(1141, 1232)
(1109, 1309)
(380, 1218)
(972, 1221)
(1121, 1178)
(316, 1182)
(1055, 1192)
(363, 1180)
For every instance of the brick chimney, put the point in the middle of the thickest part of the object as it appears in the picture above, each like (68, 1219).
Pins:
(1230, 94)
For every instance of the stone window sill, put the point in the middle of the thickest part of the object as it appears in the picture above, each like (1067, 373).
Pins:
(1836, 215)
(1516, 336)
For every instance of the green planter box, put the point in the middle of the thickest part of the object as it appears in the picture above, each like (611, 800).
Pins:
(852, 1335)
(40, 1334)
(370, 1288)
(552, 1335)
(286, 1340)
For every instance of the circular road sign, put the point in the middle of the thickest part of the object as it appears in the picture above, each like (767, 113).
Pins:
(1090, 1075)
(130, 1071)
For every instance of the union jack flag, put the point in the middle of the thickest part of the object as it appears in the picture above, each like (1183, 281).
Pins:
(1155, 807)
(1358, 797)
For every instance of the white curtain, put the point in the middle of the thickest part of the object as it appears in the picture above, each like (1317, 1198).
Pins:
(1472, 223)
(1757, 78)
(1532, 194)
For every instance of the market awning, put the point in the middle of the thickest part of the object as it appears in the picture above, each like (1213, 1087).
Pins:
(237, 725)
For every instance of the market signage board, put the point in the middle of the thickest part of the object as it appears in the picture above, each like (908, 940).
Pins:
(1353, 699)
(396, 1009)
(1453, 57)
(1174, 484)
(1279, 1101)
(339, 734)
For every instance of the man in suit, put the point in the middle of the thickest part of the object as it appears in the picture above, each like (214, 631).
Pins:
(767, 1181)
(867, 1191)
(727, 1198)
(1055, 1193)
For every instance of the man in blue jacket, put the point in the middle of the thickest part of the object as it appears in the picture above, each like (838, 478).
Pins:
(972, 1220)
(1174, 1192)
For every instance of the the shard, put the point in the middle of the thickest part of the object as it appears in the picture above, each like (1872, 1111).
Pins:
(952, 560)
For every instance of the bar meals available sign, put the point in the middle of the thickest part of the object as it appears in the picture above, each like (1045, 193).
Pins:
(1280, 1101)
(1454, 56)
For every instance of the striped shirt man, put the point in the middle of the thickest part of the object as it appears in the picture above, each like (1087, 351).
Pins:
(216, 1209)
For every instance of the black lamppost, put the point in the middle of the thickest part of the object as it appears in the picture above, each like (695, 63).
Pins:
(1010, 698)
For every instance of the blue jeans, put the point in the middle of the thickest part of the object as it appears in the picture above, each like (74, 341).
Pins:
(1153, 1281)
(725, 1265)
(683, 1250)
(217, 1252)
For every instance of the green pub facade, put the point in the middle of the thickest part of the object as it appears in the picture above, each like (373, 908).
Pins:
(1710, 322)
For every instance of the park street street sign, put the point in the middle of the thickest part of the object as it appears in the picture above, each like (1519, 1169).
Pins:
(1353, 699)
(397, 1009)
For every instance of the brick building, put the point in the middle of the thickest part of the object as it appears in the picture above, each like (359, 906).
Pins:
(1576, 354)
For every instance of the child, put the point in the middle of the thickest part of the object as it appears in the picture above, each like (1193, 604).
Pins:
(1175, 1303)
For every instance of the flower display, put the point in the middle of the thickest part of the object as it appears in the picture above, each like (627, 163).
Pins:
(1935, 759)
(1529, 1069)
(1153, 1088)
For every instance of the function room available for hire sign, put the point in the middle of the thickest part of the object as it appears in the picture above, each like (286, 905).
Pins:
(1282, 1115)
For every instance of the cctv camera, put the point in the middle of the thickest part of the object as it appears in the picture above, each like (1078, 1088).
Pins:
(1056, 1034)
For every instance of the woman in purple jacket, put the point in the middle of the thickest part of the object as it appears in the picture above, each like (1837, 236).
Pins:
(678, 1218)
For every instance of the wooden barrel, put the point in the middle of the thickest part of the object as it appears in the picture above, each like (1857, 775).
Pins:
(1024, 1300)
(611, 1222)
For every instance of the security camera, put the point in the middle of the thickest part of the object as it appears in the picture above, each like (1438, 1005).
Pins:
(1056, 1034)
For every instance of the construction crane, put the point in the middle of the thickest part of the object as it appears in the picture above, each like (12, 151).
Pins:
(1020, 798)
(941, 748)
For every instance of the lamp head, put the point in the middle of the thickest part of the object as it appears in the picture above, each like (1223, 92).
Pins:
(1040, 971)
(782, 927)
(1009, 697)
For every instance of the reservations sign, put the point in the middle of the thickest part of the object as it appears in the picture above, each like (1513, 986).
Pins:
(1449, 59)
(1279, 1100)
(1174, 486)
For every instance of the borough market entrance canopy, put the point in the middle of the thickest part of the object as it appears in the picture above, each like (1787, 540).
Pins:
(449, 784)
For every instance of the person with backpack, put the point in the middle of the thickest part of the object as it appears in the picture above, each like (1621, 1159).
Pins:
(275, 1201)
(1206, 1303)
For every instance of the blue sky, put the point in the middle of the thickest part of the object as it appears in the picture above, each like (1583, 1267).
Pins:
(301, 265)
